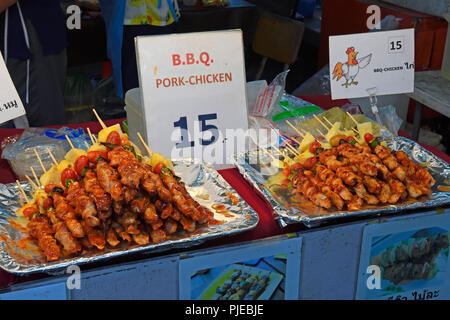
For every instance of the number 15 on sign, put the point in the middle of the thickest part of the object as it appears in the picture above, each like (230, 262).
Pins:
(182, 124)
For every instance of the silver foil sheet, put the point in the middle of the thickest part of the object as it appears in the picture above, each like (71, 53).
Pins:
(19, 253)
(291, 210)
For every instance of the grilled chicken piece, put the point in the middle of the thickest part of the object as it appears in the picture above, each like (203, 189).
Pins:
(66, 213)
(312, 192)
(158, 235)
(109, 180)
(83, 204)
(63, 235)
(330, 179)
(95, 236)
(335, 199)
(153, 184)
(112, 238)
(101, 198)
(41, 230)
(170, 226)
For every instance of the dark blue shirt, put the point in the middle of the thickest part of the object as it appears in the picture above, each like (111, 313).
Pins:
(49, 22)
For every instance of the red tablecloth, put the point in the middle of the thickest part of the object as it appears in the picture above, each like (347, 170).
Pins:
(267, 226)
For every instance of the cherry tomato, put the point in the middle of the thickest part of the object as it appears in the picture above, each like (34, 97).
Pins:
(297, 166)
(286, 172)
(113, 138)
(68, 174)
(48, 203)
(48, 188)
(368, 137)
(310, 163)
(157, 169)
(80, 163)
(314, 146)
(93, 155)
(29, 211)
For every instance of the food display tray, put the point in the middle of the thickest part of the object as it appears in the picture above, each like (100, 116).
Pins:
(251, 166)
(19, 253)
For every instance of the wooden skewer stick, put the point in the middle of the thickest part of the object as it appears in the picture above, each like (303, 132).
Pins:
(40, 161)
(321, 122)
(86, 144)
(31, 182)
(70, 142)
(296, 141)
(328, 121)
(354, 120)
(296, 130)
(289, 146)
(145, 145)
(51, 156)
(99, 119)
(22, 191)
(91, 136)
(266, 151)
(320, 132)
(279, 151)
(35, 176)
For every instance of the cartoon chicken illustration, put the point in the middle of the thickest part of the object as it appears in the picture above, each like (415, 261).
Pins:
(350, 69)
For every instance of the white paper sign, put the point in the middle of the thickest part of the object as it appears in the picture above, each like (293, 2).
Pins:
(193, 90)
(11, 106)
(406, 260)
(382, 60)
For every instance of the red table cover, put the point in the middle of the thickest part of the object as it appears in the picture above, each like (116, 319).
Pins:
(267, 226)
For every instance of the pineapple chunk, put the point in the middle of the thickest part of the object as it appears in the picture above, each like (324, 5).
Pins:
(74, 154)
(52, 176)
(303, 156)
(98, 147)
(363, 128)
(156, 158)
(103, 134)
(63, 165)
(334, 130)
(307, 140)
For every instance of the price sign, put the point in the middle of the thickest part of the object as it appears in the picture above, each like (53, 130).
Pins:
(193, 91)
(382, 60)
(11, 106)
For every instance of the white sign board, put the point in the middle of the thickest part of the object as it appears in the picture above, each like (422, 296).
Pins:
(11, 106)
(406, 260)
(382, 60)
(193, 91)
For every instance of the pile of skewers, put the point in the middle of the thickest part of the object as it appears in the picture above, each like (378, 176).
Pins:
(110, 196)
(341, 171)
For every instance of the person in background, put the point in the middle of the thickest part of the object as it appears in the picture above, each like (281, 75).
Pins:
(126, 20)
(33, 44)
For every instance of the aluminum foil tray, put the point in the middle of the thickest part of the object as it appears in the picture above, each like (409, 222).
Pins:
(291, 211)
(19, 253)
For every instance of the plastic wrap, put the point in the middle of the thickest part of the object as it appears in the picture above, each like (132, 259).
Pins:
(21, 156)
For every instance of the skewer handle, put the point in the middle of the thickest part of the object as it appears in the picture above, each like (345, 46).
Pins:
(99, 119)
